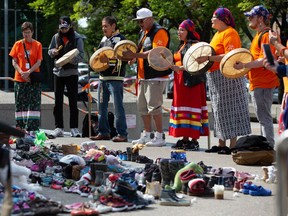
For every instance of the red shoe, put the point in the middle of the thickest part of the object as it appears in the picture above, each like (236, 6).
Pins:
(84, 211)
(115, 203)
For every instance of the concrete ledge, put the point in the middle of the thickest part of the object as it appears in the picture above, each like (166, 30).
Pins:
(134, 120)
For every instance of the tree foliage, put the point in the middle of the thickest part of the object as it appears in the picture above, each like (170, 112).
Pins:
(167, 13)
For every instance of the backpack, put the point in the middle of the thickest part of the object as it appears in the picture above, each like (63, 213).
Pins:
(252, 143)
(253, 150)
(94, 125)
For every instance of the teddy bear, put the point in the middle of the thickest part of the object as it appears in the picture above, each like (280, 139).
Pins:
(270, 174)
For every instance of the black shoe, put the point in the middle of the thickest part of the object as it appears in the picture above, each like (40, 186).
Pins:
(179, 145)
(143, 159)
(225, 150)
(214, 149)
(191, 146)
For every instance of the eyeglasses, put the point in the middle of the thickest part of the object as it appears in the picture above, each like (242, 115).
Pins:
(141, 21)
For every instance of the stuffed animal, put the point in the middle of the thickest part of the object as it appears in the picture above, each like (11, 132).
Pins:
(137, 147)
(270, 174)
(19, 175)
(94, 154)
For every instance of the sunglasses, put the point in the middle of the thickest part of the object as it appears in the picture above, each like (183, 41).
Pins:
(141, 21)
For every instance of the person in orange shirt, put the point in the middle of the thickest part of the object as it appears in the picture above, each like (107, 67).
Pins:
(152, 83)
(27, 57)
(228, 96)
(262, 81)
(282, 71)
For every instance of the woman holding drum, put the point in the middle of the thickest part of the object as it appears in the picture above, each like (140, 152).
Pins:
(228, 96)
(188, 117)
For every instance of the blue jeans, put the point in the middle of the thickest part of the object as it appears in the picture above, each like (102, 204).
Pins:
(105, 89)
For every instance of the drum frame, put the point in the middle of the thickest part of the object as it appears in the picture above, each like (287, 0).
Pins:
(189, 53)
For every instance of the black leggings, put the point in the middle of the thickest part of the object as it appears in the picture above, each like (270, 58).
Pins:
(71, 83)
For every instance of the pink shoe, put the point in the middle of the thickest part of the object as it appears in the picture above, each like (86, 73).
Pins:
(244, 175)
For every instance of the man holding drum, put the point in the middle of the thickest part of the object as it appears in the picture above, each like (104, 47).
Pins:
(152, 82)
(111, 83)
(66, 76)
(262, 81)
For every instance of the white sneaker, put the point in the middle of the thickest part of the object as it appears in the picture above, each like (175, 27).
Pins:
(145, 137)
(157, 141)
(58, 132)
(75, 132)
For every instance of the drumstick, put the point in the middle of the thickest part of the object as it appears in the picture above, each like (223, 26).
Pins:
(59, 48)
(163, 55)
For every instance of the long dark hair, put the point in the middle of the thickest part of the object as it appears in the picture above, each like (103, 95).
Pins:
(70, 34)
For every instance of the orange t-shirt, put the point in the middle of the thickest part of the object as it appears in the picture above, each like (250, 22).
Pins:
(285, 79)
(161, 38)
(223, 42)
(35, 53)
(261, 77)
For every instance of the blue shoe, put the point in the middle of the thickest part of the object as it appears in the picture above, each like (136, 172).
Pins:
(247, 187)
(260, 191)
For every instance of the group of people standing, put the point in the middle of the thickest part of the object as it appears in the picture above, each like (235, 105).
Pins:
(189, 114)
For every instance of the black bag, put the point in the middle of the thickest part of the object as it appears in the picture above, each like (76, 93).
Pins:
(193, 80)
(94, 125)
(252, 143)
(36, 77)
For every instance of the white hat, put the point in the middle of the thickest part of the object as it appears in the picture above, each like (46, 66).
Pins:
(143, 13)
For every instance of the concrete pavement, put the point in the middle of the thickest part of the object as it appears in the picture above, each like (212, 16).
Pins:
(234, 205)
(231, 205)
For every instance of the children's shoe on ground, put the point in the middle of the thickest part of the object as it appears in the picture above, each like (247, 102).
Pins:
(99, 207)
(114, 202)
(191, 146)
(260, 191)
(169, 198)
(58, 132)
(145, 137)
(75, 132)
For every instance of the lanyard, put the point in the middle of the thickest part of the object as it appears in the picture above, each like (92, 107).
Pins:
(26, 53)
